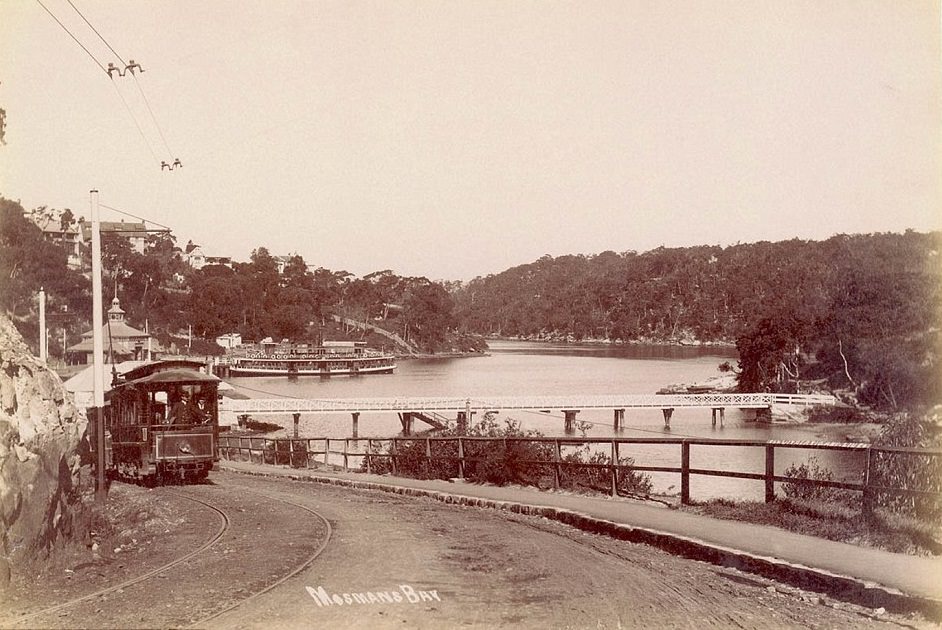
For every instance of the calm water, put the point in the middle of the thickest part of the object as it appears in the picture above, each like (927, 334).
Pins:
(521, 368)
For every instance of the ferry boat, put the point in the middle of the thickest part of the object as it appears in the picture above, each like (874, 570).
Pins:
(333, 358)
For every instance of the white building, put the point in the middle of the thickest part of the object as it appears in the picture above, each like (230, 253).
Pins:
(230, 340)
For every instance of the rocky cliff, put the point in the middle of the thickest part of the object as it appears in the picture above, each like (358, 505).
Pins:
(41, 434)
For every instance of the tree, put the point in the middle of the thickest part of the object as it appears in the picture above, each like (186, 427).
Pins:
(770, 355)
(215, 302)
(28, 262)
(428, 313)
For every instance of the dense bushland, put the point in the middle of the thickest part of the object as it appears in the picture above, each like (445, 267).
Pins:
(859, 313)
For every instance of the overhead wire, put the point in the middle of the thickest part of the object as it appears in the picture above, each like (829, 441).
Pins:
(97, 33)
(133, 75)
(127, 67)
(136, 124)
(133, 216)
(88, 52)
(152, 117)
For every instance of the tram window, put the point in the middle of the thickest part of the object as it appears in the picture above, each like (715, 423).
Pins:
(159, 404)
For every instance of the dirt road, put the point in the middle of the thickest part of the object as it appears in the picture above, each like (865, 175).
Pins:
(483, 569)
(393, 561)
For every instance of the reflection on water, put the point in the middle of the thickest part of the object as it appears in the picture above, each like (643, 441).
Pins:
(531, 369)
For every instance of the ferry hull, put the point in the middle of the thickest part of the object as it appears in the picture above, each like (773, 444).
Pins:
(256, 371)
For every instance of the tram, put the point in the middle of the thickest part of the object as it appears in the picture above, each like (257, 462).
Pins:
(162, 423)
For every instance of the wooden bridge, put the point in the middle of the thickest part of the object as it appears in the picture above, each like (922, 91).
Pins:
(431, 409)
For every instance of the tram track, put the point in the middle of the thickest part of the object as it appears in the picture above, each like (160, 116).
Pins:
(310, 559)
(225, 516)
(223, 528)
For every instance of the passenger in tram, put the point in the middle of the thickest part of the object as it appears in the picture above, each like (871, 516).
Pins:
(178, 410)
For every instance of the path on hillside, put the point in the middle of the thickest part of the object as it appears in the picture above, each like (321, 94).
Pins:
(410, 348)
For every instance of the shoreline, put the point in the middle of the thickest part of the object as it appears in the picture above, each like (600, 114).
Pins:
(566, 340)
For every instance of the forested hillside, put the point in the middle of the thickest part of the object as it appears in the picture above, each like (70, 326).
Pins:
(254, 298)
(860, 313)
(857, 311)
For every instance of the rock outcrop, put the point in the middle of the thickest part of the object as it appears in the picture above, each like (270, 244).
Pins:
(41, 434)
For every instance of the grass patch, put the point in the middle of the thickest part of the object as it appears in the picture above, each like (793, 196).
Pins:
(830, 520)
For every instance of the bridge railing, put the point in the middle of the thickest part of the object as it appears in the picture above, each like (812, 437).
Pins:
(451, 404)
(365, 453)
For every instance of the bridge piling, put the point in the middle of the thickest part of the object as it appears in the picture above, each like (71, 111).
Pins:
(619, 419)
(722, 414)
(570, 415)
(356, 422)
(462, 422)
(297, 419)
(406, 419)
(668, 412)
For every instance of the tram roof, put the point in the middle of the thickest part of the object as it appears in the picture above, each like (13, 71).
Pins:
(156, 367)
(174, 376)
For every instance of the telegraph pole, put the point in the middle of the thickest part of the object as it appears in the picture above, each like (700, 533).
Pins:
(98, 349)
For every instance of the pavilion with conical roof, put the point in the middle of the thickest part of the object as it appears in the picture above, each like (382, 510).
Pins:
(122, 342)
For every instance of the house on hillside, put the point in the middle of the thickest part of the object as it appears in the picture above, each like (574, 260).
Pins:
(136, 233)
(281, 262)
(70, 238)
(194, 256)
(121, 341)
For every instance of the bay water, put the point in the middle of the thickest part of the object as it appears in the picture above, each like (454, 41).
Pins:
(531, 369)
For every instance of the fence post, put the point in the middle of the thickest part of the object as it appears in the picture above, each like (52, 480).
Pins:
(346, 443)
(393, 455)
(326, 451)
(428, 455)
(769, 473)
(307, 453)
(614, 468)
(460, 458)
(369, 456)
(867, 503)
(685, 473)
(290, 453)
(557, 457)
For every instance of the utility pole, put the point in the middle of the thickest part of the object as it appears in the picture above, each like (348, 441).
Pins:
(98, 350)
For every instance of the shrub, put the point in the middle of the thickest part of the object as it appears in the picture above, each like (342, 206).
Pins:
(510, 462)
(801, 488)
(841, 415)
(597, 477)
(515, 457)
(912, 472)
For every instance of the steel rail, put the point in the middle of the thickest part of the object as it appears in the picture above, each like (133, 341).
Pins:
(224, 527)
(317, 552)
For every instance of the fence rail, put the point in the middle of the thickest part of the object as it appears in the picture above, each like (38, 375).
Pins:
(313, 452)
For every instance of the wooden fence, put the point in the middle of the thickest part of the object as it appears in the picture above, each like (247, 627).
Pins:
(313, 452)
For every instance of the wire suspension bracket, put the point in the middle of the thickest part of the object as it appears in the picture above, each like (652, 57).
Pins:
(129, 67)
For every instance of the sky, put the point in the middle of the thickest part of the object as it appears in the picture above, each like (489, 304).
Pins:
(457, 139)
